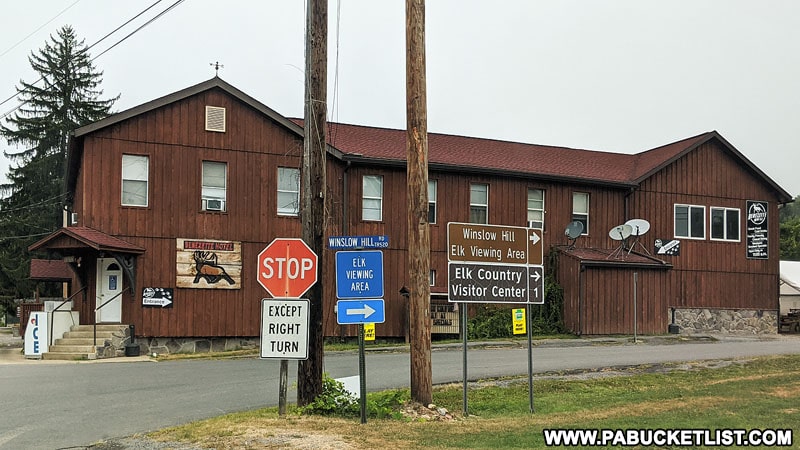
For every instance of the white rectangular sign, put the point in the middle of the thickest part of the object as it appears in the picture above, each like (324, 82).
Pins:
(36, 340)
(284, 328)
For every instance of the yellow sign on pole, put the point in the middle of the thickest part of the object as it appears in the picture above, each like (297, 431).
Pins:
(369, 331)
(518, 319)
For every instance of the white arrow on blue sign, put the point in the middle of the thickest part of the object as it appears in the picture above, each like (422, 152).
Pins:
(359, 274)
(360, 311)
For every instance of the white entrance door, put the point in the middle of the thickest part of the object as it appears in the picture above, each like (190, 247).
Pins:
(109, 284)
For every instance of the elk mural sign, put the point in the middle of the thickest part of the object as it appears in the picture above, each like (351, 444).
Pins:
(209, 264)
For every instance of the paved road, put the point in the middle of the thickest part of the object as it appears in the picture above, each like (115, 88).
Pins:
(51, 405)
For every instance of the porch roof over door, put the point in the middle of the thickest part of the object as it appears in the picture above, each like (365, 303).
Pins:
(82, 238)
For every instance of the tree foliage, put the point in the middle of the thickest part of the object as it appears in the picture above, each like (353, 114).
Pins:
(66, 97)
(790, 231)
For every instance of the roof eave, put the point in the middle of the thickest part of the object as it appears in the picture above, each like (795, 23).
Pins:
(444, 167)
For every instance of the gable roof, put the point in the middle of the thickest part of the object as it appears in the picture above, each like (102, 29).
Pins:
(82, 237)
(370, 144)
(75, 150)
(373, 145)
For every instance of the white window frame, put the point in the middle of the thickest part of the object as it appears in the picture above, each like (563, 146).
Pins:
(433, 188)
(372, 202)
(288, 189)
(578, 215)
(533, 211)
(475, 204)
(133, 176)
(689, 234)
(432, 277)
(725, 212)
(213, 191)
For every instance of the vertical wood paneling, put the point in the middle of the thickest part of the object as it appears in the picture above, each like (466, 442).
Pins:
(707, 273)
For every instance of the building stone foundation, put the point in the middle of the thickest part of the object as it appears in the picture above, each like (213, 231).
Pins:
(166, 346)
(726, 321)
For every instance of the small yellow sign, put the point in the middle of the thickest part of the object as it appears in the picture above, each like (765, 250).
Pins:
(369, 331)
(518, 319)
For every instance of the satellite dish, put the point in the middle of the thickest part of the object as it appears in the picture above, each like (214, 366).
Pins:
(574, 230)
(640, 226)
(620, 232)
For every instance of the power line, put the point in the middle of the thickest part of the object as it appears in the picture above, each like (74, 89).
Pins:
(8, 113)
(38, 29)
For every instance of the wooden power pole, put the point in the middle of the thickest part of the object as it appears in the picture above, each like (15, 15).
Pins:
(309, 372)
(419, 240)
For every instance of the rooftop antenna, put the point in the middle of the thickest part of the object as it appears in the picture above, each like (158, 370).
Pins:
(216, 66)
(640, 227)
(573, 232)
(620, 233)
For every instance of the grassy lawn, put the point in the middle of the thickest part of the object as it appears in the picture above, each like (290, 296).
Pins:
(747, 394)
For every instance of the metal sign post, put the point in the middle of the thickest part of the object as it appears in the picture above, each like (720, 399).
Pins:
(495, 264)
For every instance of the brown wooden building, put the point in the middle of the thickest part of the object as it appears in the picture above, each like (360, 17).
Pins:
(173, 200)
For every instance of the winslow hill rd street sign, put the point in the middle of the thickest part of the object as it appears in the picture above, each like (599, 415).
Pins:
(494, 264)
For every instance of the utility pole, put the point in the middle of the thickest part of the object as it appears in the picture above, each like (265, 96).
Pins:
(419, 239)
(309, 372)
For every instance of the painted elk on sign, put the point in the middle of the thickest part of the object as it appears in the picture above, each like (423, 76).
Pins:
(207, 268)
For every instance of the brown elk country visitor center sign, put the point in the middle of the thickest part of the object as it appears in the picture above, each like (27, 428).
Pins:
(209, 264)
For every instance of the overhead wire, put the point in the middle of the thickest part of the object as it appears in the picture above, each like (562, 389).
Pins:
(159, 15)
(38, 29)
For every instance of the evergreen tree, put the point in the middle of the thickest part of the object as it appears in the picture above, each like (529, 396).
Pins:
(66, 97)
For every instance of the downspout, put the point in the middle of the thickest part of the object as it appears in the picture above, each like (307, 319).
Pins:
(625, 206)
(345, 224)
(581, 269)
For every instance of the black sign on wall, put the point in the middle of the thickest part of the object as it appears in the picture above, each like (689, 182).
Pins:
(757, 230)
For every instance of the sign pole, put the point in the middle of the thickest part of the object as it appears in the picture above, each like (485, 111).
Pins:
(362, 374)
(283, 381)
(529, 321)
(464, 352)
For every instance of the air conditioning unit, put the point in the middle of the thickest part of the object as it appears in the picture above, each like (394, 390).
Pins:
(214, 205)
(534, 224)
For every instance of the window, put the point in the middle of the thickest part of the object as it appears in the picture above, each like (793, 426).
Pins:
(432, 277)
(214, 186)
(725, 224)
(690, 221)
(479, 203)
(372, 198)
(432, 187)
(288, 191)
(580, 209)
(135, 170)
(536, 208)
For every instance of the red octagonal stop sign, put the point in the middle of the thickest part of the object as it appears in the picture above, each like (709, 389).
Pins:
(287, 267)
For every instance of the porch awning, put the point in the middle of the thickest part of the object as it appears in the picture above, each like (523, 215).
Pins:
(82, 238)
(50, 270)
(79, 241)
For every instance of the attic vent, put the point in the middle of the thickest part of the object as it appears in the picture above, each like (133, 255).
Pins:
(215, 119)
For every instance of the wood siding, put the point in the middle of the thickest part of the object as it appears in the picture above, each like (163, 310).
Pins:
(597, 301)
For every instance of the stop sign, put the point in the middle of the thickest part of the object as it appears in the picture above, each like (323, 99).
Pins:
(287, 267)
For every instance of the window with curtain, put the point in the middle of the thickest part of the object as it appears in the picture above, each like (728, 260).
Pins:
(479, 203)
(372, 198)
(135, 174)
(288, 191)
(432, 188)
(580, 209)
(536, 208)
(214, 193)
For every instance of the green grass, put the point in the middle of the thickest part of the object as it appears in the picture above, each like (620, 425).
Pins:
(759, 393)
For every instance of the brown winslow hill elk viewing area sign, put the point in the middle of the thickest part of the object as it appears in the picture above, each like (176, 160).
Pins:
(494, 264)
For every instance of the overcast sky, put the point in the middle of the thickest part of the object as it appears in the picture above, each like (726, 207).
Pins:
(622, 76)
